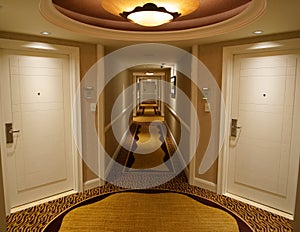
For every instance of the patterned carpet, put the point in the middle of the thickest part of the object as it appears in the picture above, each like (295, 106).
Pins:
(37, 217)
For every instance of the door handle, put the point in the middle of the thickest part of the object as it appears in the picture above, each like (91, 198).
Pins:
(234, 127)
(10, 133)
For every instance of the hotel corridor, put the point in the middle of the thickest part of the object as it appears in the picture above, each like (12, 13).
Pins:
(109, 201)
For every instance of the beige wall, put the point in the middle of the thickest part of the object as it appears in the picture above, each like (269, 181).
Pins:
(183, 83)
(205, 131)
(112, 91)
(172, 120)
(211, 57)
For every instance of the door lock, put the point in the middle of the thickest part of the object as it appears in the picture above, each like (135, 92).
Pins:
(10, 133)
(234, 127)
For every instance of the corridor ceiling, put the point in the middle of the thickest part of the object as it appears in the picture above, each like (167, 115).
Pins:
(87, 21)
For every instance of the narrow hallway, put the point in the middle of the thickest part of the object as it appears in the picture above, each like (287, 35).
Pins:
(149, 161)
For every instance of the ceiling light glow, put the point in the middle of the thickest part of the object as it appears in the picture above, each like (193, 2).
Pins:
(264, 45)
(36, 45)
(45, 33)
(149, 73)
(258, 32)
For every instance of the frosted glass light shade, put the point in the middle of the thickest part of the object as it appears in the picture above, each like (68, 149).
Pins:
(149, 15)
(150, 18)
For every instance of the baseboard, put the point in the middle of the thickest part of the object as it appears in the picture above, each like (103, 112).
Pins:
(204, 184)
(42, 201)
(92, 184)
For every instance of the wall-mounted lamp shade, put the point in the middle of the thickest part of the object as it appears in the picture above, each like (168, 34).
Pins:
(150, 15)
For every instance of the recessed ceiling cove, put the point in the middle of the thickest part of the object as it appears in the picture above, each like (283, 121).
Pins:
(195, 16)
(104, 13)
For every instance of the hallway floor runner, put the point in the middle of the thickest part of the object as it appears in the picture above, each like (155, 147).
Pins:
(151, 151)
(132, 171)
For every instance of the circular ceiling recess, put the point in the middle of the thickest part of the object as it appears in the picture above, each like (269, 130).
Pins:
(199, 18)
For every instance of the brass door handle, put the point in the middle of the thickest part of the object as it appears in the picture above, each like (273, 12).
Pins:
(13, 131)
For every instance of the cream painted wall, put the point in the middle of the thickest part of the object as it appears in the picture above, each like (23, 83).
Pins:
(111, 92)
(171, 120)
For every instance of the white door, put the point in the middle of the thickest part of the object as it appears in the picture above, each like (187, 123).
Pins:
(263, 163)
(36, 100)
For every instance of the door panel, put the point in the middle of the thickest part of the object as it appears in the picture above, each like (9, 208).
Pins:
(39, 162)
(260, 156)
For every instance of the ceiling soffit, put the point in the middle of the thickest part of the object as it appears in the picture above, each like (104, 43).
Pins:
(213, 17)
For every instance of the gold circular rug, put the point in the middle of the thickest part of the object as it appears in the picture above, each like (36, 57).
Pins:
(149, 211)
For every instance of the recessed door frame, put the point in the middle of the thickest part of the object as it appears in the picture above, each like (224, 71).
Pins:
(73, 54)
(282, 46)
(137, 78)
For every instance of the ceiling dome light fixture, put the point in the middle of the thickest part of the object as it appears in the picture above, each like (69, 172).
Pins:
(150, 15)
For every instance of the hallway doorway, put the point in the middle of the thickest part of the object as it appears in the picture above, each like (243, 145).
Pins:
(260, 158)
(148, 96)
(38, 154)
